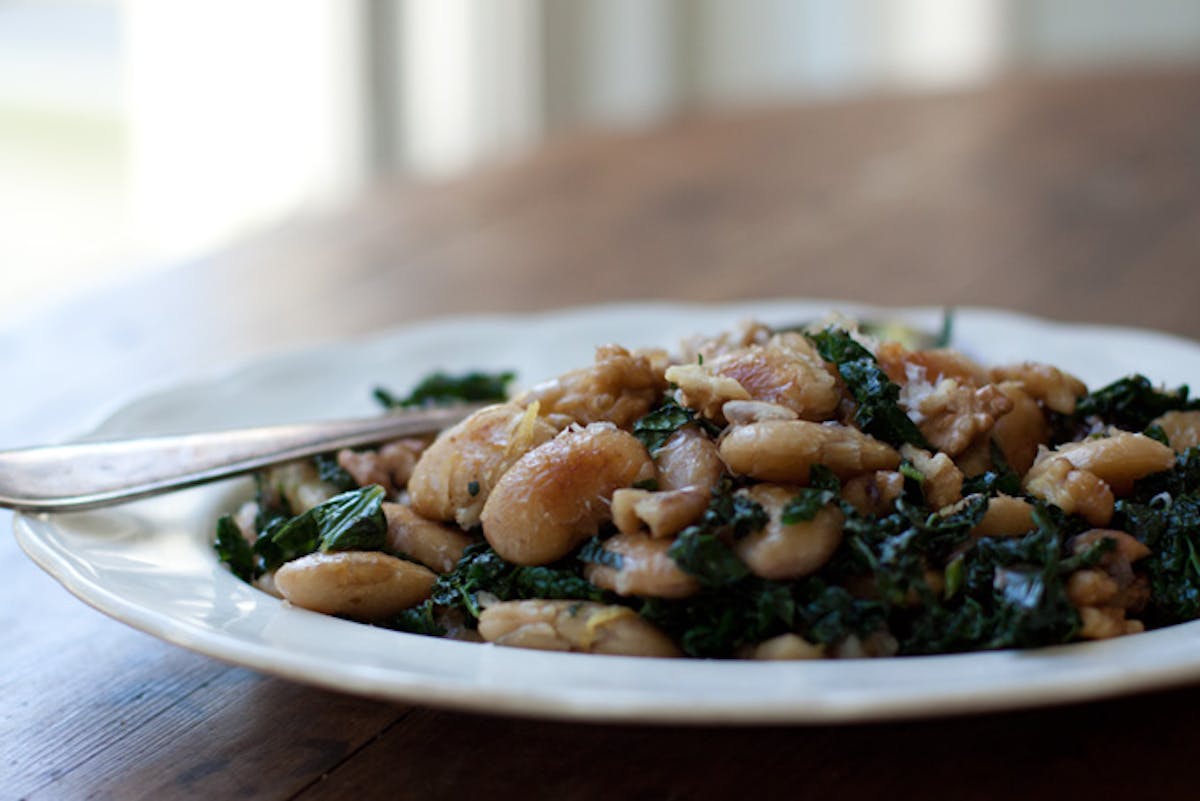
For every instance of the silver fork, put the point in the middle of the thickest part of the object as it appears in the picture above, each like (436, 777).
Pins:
(89, 475)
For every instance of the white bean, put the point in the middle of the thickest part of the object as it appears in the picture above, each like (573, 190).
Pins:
(365, 585)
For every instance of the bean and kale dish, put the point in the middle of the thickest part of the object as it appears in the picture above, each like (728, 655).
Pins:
(765, 494)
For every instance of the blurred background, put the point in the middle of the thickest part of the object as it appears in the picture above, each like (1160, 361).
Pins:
(136, 134)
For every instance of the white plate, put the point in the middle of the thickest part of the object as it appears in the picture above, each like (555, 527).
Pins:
(150, 565)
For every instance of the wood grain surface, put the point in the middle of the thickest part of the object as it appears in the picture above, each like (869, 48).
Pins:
(1075, 198)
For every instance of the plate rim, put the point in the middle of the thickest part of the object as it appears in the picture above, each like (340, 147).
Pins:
(505, 701)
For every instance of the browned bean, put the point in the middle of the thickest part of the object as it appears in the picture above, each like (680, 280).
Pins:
(788, 550)
(1119, 459)
(558, 494)
(432, 544)
(785, 450)
(573, 626)
(365, 585)
(645, 569)
(455, 475)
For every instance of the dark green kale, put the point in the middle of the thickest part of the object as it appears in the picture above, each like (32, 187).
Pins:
(1181, 479)
(1132, 403)
(910, 472)
(806, 504)
(702, 550)
(831, 614)
(440, 389)
(350, 521)
(715, 623)
(1000, 480)
(273, 508)
(273, 512)
(594, 552)
(483, 570)
(946, 332)
(898, 548)
(1003, 593)
(732, 513)
(233, 549)
(1157, 434)
(704, 555)
(417, 620)
(914, 483)
(878, 413)
(822, 478)
(655, 428)
(332, 473)
(823, 488)
(1164, 513)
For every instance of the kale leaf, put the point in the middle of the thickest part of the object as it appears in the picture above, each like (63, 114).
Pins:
(655, 428)
(879, 412)
(439, 389)
(273, 508)
(717, 623)
(1164, 513)
(419, 619)
(594, 552)
(353, 520)
(1182, 478)
(332, 473)
(702, 550)
(830, 614)
(702, 554)
(1009, 593)
(1157, 434)
(1132, 403)
(805, 505)
(823, 488)
(822, 478)
(483, 570)
(898, 548)
(946, 332)
(734, 513)
(233, 549)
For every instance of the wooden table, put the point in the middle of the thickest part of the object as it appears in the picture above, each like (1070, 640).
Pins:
(1074, 198)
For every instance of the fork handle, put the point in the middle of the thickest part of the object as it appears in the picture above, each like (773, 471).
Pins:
(89, 475)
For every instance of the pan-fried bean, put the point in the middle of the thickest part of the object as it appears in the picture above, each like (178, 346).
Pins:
(365, 585)
(688, 467)
(558, 494)
(730, 502)
(786, 450)
(1056, 480)
(1119, 459)
(619, 388)
(437, 546)
(1053, 387)
(1006, 516)
(642, 568)
(586, 627)
(455, 475)
(1182, 429)
(789, 550)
